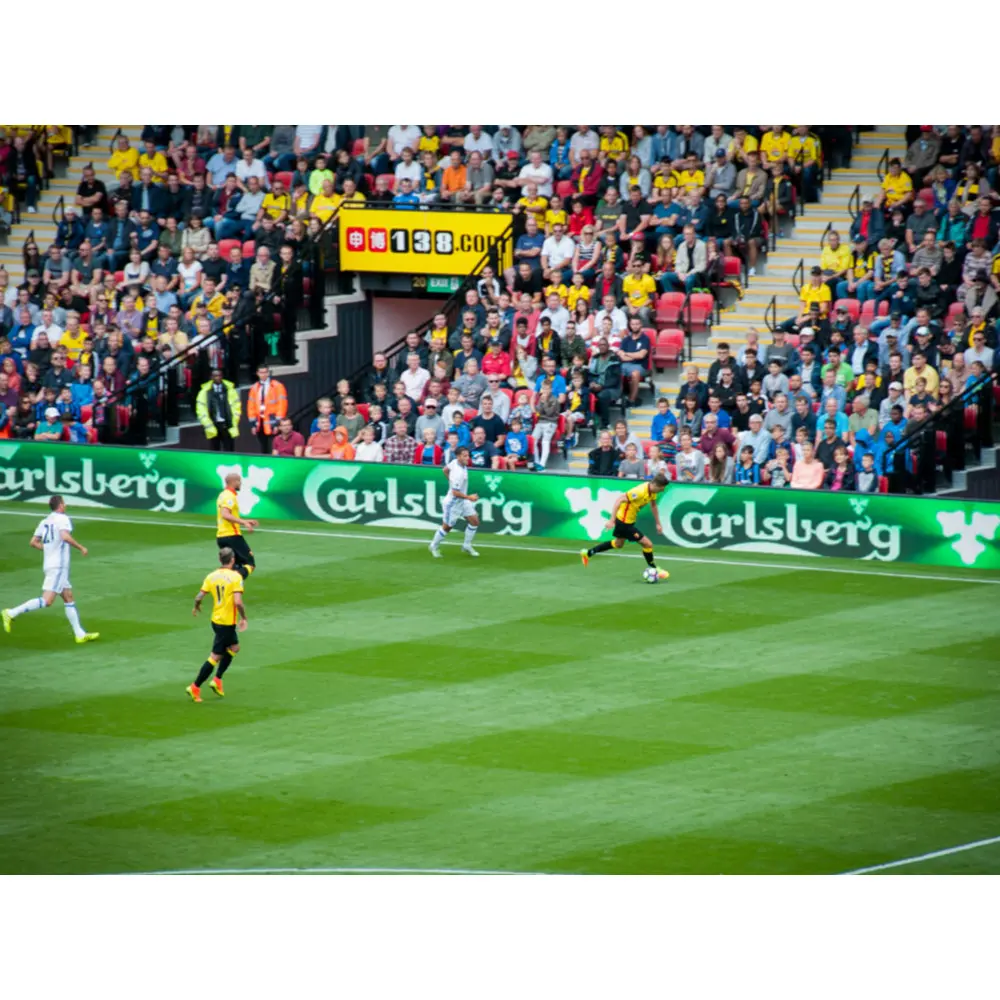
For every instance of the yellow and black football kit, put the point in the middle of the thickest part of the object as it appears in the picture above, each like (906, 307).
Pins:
(628, 510)
(223, 585)
(230, 536)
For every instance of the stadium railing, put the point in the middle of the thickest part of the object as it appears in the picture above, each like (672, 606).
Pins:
(854, 202)
(883, 165)
(771, 314)
(977, 403)
(799, 276)
(451, 308)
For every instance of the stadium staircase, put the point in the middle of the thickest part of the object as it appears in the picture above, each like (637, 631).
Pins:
(775, 272)
(63, 185)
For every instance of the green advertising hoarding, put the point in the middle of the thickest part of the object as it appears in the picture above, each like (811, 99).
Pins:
(720, 518)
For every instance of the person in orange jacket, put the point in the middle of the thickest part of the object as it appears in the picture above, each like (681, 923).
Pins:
(342, 447)
(266, 405)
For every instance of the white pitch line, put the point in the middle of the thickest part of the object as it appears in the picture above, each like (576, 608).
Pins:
(788, 568)
(925, 857)
(331, 871)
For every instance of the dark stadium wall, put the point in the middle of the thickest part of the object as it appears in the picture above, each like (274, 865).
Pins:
(393, 318)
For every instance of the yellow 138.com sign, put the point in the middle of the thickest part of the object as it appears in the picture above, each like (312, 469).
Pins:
(413, 241)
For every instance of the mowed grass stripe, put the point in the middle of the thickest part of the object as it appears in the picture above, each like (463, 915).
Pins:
(538, 746)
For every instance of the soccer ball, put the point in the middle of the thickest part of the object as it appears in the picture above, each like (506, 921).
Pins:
(650, 575)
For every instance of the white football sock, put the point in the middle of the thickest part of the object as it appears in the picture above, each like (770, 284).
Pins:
(439, 537)
(74, 620)
(35, 604)
(470, 533)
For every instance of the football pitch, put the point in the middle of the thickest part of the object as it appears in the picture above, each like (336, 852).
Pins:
(512, 713)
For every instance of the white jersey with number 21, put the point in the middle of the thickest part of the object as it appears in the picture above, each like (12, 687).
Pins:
(55, 558)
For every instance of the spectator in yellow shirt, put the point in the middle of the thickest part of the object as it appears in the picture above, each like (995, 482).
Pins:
(555, 213)
(690, 177)
(277, 203)
(613, 145)
(639, 287)
(835, 261)
(815, 298)
(897, 187)
(920, 369)
(324, 204)
(155, 160)
(212, 300)
(774, 145)
(742, 144)
(578, 290)
(804, 160)
(124, 158)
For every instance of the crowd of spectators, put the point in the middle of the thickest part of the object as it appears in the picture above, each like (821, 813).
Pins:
(197, 248)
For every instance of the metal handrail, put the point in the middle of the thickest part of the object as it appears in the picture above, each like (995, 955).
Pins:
(822, 239)
(492, 256)
(61, 209)
(771, 314)
(883, 165)
(854, 202)
(114, 139)
(437, 207)
(773, 239)
(30, 238)
(963, 399)
(799, 276)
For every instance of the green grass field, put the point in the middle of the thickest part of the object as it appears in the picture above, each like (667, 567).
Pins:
(512, 713)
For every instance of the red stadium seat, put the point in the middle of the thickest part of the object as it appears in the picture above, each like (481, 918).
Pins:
(470, 414)
(391, 178)
(667, 351)
(285, 176)
(698, 314)
(225, 246)
(956, 311)
(926, 195)
(249, 250)
(307, 287)
(86, 412)
(883, 309)
(852, 306)
(883, 484)
(363, 411)
(867, 313)
(91, 435)
(733, 267)
(119, 276)
(509, 393)
(358, 148)
(793, 340)
(668, 309)
(565, 189)
(940, 441)
(971, 417)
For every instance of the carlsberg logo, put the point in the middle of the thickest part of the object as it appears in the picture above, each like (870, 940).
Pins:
(778, 525)
(401, 501)
(82, 479)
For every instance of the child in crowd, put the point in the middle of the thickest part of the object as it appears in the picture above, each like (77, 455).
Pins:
(450, 447)
(866, 481)
(428, 452)
(516, 444)
(522, 409)
(656, 464)
(324, 408)
(840, 476)
(747, 471)
(577, 408)
(459, 427)
(377, 421)
(631, 466)
(780, 467)
(668, 445)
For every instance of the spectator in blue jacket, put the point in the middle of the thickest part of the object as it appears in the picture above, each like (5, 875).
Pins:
(559, 160)
(70, 232)
(406, 197)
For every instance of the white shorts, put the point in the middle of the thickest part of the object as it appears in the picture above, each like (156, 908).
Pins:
(56, 580)
(455, 509)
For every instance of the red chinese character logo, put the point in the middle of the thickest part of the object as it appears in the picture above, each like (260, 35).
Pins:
(378, 240)
(355, 238)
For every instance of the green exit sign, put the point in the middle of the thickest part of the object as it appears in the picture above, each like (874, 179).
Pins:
(439, 283)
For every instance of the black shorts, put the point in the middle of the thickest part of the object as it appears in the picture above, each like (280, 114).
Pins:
(244, 557)
(629, 532)
(225, 636)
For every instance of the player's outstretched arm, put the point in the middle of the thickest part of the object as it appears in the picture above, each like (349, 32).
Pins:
(70, 540)
(619, 500)
(198, 598)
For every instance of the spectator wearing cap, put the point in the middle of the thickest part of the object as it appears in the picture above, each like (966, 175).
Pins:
(892, 401)
(720, 178)
(49, 428)
(431, 419)
(869, 224)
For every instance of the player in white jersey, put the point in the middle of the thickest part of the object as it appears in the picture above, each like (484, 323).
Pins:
(54, 538)
(460, 504)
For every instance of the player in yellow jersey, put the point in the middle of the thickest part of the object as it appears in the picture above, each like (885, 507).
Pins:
(229, 616)
(230, 526)
(623, 527)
